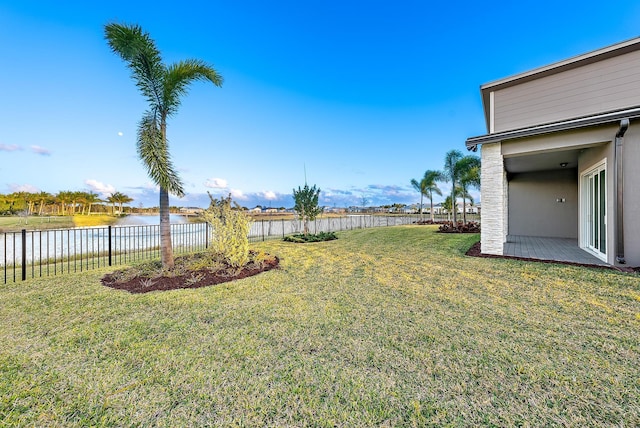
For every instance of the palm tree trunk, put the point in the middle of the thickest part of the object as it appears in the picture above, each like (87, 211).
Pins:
(464, 209)
(166, 251)
(431, 207)
(421, 199)
(454, 205)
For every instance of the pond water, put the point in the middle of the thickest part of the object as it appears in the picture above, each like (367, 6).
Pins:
(143, 220)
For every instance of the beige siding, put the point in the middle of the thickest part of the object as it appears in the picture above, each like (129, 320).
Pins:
(603, 86)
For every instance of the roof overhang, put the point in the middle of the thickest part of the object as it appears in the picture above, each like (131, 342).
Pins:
(583, 122)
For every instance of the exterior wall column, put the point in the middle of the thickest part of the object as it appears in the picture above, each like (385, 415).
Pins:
(494, 199)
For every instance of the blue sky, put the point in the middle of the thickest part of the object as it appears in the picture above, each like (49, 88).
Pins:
(364, 96)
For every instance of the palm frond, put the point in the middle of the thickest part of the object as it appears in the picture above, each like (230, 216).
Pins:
(180, 75)
(451, 167)
(143, 58)
(154, 153)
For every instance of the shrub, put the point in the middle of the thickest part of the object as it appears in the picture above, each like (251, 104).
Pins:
(306, 204)
(319, 237)
(229, 231)
(459, 227)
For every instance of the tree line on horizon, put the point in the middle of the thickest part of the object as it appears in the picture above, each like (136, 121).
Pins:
(65, 202)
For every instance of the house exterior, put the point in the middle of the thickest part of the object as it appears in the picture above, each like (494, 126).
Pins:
(561, 157)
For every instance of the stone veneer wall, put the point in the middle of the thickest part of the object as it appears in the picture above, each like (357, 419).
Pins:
(494, 200)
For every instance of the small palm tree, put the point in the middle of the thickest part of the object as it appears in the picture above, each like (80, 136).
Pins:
(120, 199)
(451, 173)
(162, 86)
(419, 186)
(427, 187)
(462, 172)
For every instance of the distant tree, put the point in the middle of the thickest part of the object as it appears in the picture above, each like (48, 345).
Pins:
(91, 198)
(32, 200)
(44, 198)
(120, 199)
(427, 186)
(306, 204)
(64, 198)
(364, 201)
(162, 86)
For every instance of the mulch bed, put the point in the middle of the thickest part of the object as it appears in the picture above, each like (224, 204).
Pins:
(475, 251)
(195, 279)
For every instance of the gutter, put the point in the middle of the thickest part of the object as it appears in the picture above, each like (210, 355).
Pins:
(619, 190)
(595, 120)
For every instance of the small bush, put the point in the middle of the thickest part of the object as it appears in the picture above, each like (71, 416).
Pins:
(229, 231)
(450, 227)
(318, 237)
(423, 222)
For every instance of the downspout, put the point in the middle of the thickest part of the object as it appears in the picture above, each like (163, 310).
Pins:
(619, 191)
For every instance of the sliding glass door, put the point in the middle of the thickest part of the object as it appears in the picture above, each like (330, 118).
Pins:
(594, 210)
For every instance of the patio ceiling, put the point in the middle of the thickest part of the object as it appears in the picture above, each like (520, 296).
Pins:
(546, 161)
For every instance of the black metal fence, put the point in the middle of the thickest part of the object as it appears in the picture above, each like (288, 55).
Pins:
(29, 254)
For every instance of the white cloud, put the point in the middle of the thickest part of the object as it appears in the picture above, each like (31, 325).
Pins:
(120, 134)
(23, 188)
(41, 151)
(99, 187)
(216, 183)
(269, 195)
(238, 194)
(9, 147)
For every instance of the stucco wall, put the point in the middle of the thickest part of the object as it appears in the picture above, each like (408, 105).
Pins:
(534, 209)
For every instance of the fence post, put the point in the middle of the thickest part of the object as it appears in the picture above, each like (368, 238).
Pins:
(262, 221)
(24, 254)
(109, 245)
(282, 220)
(206, 236)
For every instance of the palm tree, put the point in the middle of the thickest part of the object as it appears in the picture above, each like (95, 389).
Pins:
(462, 172)
(120, 199)
(91, 198)
(64, 197)
(162, 86)
(427, 187)
(420, 187)
(112, 199)
(469, 177)
(452, 174)
(43, 198)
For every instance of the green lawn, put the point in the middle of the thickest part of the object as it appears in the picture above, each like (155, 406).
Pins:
(383, 327)
(17, 223)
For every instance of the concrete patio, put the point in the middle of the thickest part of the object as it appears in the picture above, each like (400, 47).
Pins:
(559, 249)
